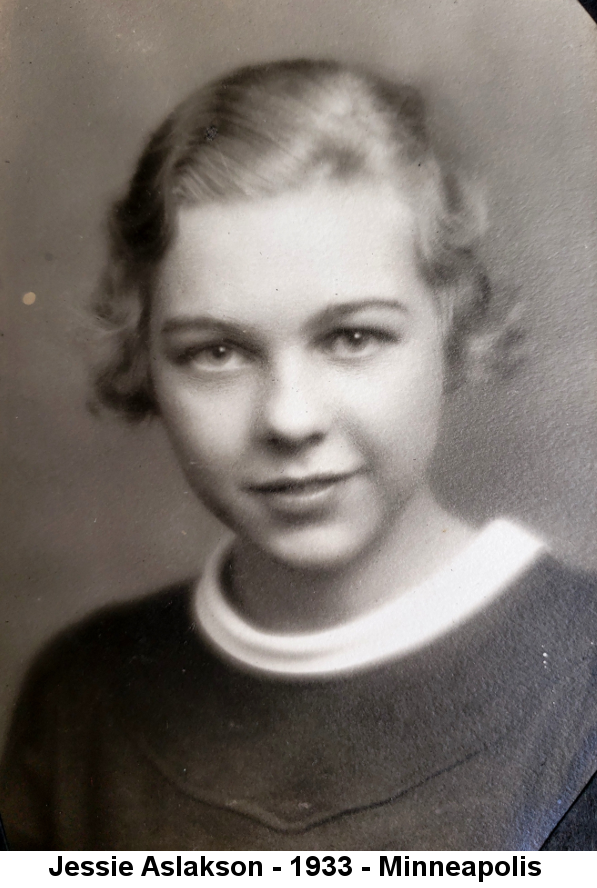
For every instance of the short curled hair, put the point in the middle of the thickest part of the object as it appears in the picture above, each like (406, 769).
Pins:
(274, 128)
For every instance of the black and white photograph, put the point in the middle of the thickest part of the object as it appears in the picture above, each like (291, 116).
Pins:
(299, 425)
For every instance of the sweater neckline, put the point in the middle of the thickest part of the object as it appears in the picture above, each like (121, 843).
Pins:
(471, 581)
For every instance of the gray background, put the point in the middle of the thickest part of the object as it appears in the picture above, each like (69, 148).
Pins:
(93, 511)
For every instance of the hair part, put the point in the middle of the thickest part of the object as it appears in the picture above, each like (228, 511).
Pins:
(274, 128)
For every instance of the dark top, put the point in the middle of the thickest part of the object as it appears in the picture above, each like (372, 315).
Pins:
(131, 734)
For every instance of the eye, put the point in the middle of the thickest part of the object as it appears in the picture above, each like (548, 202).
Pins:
(354, 342)
(213, 357)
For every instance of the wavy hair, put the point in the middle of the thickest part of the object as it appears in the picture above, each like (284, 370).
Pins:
(275, 128)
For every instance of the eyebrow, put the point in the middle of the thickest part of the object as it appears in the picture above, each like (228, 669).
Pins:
(328, 315)
(336, 312)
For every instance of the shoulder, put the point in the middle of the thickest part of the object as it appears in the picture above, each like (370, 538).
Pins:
(559, 601)
(566, 575)
(102, 648)
(561, 582)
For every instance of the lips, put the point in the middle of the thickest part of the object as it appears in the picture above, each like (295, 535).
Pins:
(301, 496)
(299, 485)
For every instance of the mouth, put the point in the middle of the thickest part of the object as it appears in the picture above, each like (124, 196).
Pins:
(310, 483)
(298, 496)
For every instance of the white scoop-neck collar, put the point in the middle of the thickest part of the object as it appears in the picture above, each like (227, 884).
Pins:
(499, 553)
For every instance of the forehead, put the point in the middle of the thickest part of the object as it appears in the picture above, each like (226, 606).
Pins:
(296, 250)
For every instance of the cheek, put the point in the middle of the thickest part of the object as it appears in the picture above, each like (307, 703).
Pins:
(398, 413)
(209, 431)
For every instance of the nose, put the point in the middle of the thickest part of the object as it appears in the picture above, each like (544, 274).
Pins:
(293, 412)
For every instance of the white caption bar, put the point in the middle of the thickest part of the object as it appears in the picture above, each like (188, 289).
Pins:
(268, 868)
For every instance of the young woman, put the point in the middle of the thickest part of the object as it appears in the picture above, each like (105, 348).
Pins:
(294, 290)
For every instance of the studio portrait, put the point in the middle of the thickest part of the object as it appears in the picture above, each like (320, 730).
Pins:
(299, 519)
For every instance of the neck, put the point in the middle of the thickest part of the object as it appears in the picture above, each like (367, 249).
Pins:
(423, 539)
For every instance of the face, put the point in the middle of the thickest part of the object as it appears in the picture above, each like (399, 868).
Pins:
(297, 360)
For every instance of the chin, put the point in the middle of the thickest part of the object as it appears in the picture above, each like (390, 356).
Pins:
(319, 550)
